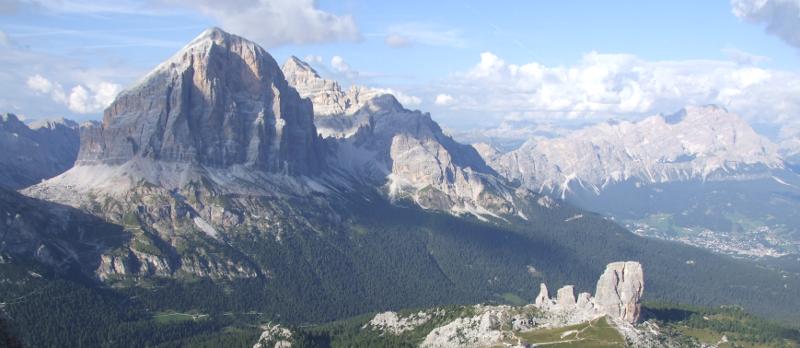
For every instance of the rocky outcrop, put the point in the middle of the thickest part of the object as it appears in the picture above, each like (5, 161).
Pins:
(489, 326)
(565, 297)
(618, 296)
(221, 101)
(395, 324)
(36, 151)
(620, 289)
(543, 298)
(274, 336)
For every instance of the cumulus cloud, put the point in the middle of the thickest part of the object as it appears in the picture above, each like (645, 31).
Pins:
(406, 99)
(81, 99)
(338, 65)
(444, 100)
(619, 85)
(38, 83)
(276, 22)
(780, 17)
(341, 68)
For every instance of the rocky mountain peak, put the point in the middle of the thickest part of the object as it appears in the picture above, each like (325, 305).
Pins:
(339, 112)
(296, 66)
(220, 101)
(10, 122)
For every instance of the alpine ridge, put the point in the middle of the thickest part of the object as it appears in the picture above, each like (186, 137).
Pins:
(702, 175)
(37, 151)
(705, 143)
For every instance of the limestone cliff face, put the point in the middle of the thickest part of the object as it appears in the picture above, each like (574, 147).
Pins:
(336, 110)
(403, 151)
(220, 101)
(620, 289)
(618, 295)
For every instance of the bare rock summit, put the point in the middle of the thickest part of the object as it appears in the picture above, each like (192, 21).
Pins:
(220, 101)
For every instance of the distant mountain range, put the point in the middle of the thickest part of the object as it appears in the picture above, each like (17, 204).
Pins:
(37, 151)
(701, 175)
(225, 185)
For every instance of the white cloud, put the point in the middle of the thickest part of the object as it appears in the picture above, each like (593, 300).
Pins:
(312, 59)
(619, 85)
(338, 65)
(38, 83)
(781, 17)
(425, 34)
(406, 99)
(276, 22)
(444, 100)
(744, 58)
(396, 40)
(81, 99)
(341, 68)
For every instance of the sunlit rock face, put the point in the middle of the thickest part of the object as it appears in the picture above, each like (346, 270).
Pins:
(618, 296)
(403, 151)
(619, 290)
(220, 101)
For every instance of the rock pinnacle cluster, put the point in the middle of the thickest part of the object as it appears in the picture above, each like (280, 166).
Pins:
(618, 295)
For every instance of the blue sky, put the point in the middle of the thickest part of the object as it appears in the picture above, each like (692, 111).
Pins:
(586, 60)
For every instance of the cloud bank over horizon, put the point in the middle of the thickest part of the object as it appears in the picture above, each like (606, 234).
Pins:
(600, 86)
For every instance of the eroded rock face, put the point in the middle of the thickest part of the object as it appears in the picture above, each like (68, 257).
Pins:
(565, 297)
(220, 101)
(395, 324)
(619, 290)
(543, 299)
(618, 295)
(328, 97)
(481, 330)
(404, 151)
